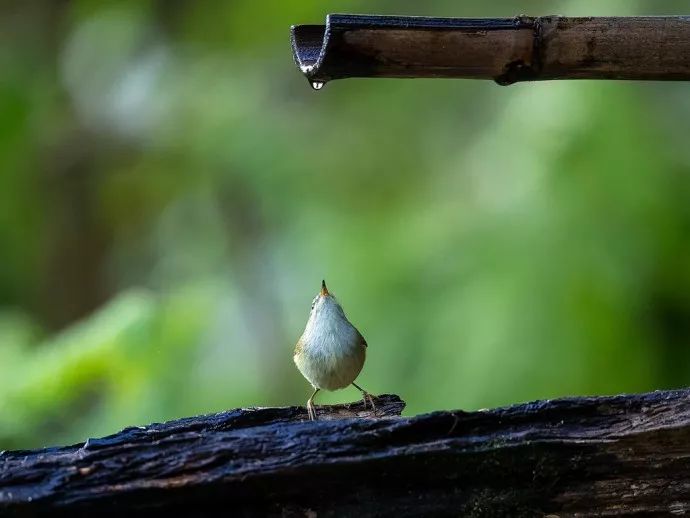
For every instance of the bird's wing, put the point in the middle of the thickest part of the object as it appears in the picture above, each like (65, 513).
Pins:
(362, 340)
(298, 347)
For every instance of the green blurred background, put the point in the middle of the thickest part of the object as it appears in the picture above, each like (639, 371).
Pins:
(172, 192)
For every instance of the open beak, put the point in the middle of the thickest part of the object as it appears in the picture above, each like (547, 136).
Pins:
(324, 290)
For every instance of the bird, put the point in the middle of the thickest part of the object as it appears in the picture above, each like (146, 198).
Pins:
(330, 353)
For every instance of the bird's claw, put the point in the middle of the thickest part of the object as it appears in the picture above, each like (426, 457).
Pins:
(311, 411)
(367, 397)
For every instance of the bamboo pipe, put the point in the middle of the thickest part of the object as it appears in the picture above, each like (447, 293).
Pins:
(506, 50)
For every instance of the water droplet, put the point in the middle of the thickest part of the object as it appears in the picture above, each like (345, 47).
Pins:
(317, 85)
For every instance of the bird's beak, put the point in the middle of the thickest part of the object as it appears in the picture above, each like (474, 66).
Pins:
(324, 290)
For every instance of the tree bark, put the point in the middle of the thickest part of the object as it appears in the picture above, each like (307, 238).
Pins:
(507, 50)
(583, 456)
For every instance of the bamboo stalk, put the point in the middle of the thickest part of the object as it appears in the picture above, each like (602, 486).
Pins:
(506, 50)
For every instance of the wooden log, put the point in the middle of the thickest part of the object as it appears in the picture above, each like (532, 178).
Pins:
(583, 456)
(502, 49)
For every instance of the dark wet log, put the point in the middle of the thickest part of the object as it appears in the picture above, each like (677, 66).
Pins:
(503, 49)
(603, 456)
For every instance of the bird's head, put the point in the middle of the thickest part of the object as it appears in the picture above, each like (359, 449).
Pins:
(324, 303)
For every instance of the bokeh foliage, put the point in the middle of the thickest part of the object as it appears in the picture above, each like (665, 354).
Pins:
(172, 194)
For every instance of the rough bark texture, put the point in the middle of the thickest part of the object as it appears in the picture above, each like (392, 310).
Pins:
(589, 456)
(505, 50)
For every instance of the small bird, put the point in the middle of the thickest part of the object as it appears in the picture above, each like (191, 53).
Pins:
(330, 353)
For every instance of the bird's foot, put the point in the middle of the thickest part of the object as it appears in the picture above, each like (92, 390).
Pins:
(311, 411)
(367, 397)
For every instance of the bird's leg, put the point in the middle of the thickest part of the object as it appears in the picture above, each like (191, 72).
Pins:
(366, 397)
(310, 406)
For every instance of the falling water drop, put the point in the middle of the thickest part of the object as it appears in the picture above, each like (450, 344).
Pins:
(317, 85)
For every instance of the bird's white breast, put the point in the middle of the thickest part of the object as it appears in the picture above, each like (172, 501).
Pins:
(331, 353)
